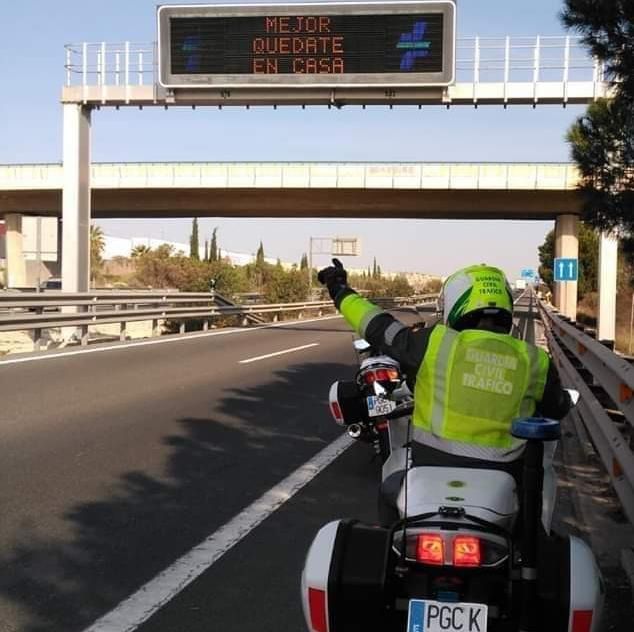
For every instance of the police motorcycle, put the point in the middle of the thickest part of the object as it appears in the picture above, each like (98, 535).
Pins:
(464, 552)
(361, 405)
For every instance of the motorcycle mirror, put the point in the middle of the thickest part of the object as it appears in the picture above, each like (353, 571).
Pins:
(574, 395)
(361, 345)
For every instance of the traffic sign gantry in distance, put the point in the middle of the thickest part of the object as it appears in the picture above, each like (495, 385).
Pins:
(566, 269)
(528, 274)
(356, 45)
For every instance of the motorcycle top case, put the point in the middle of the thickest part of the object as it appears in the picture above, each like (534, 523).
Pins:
(344, 578)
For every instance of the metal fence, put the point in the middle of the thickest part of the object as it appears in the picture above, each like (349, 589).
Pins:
(605, 381)
(478, 59)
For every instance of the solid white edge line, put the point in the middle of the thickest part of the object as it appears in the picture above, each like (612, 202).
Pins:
(278, 353)
(166, 340)
(140, 606)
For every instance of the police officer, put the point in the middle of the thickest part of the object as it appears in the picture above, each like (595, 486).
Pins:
(469, 376)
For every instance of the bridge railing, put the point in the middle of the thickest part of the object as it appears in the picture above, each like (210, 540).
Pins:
(560, 58)
(414, 176)
(605, 381)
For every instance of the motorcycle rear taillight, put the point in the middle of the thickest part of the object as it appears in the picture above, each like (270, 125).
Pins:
(466, 551)
(456, 549)
(381, 375)
(430, 549)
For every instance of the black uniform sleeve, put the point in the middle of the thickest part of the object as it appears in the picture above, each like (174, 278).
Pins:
(556, 401)
(405, 344)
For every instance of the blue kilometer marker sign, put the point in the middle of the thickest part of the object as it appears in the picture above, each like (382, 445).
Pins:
(528, 273)
(566, 269)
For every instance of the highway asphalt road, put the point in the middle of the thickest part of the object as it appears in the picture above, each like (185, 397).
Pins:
(115, 463)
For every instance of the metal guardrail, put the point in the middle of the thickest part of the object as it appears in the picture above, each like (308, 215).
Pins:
(53, 310)
(605, 382)
(29, 312)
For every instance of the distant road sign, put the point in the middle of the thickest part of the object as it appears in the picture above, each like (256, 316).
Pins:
(528, 273)
(408, 43)
(566, 269)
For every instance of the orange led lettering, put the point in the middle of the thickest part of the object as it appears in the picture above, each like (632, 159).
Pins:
(324, 25)
(270, 25)
(284, 45)
(337, 45)
(283, 25)
(258, 45)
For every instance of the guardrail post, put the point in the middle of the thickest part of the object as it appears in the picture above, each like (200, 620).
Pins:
(155, 328)
(205, 325)
(83, 329)
(181, 327)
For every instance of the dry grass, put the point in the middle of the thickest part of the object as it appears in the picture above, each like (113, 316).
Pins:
(588, 308)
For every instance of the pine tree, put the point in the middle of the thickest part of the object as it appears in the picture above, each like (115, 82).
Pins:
(193, 241)
(374, 269)
(303, 264)
(214, 251)
(378, 272)
(206, 251)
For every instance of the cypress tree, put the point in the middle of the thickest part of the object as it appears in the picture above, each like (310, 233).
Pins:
(193, 240)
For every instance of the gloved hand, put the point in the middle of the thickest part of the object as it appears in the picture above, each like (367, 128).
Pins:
(334, 277)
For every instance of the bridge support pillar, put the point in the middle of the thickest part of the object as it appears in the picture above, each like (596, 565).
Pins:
(608, 265)
(76, 199)
(16, 265)
(567, 245)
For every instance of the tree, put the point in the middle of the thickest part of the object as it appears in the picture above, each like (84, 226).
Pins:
(303, 264)
(214, 251)
(97, 246)
(602, 141)
(206, 259)
(588, 260)
(378, 272)
(139, 250)
(374, 269)
(259, 257)
(607, 29)
(193, 241)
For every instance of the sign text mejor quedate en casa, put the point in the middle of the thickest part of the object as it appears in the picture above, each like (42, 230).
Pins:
(329, 44)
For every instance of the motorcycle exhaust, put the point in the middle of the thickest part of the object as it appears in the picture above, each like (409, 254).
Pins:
(355, 431)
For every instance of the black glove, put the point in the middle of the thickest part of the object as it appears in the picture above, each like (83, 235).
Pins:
(334, 277)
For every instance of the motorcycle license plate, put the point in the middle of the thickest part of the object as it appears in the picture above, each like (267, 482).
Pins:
(377, 406)
(438, 616)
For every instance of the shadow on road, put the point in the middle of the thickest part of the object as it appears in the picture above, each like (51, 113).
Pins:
(214, 467)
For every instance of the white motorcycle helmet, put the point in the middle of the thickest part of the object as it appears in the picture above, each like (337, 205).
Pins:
(473, 293)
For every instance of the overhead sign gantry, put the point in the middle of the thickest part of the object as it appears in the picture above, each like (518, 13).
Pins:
(374, 46)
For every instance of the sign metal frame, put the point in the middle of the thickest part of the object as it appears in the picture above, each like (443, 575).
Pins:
(446, 77)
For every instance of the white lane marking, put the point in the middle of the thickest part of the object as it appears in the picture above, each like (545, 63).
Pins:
(140, 606)
(278, 353)
(145, 343)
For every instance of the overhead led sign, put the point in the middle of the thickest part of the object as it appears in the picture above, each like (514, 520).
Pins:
(340, 44)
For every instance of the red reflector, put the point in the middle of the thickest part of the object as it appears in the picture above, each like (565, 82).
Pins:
(581, 620)
(336, 411)
(466, 551)
(430, 549)
(317, 607)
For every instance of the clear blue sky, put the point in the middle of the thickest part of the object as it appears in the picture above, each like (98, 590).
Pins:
(32, 36)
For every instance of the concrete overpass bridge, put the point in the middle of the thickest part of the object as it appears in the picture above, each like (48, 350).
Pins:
(518, 191)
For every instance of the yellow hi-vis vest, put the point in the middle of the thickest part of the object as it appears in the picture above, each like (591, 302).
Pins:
(470, 386)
